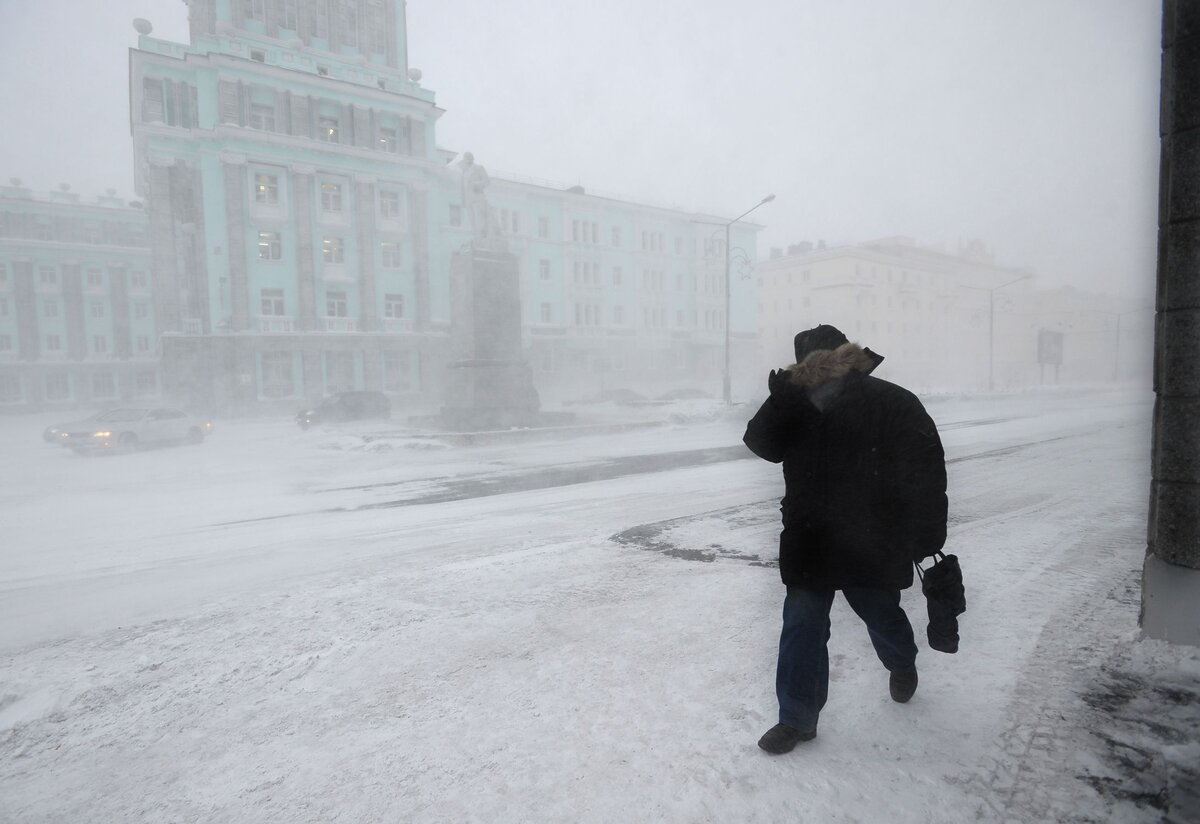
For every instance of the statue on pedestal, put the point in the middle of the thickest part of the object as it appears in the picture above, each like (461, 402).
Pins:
(475, 181)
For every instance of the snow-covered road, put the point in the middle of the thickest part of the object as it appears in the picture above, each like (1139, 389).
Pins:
(252, 630)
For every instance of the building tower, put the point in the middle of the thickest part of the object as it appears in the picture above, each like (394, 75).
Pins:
(286, 156)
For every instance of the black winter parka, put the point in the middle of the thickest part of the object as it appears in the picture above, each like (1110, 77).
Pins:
(865, 482)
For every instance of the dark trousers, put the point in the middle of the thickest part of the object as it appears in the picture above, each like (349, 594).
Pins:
(802, 676)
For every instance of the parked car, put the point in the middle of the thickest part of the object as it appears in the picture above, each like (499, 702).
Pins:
(346, 406)
(131, 428)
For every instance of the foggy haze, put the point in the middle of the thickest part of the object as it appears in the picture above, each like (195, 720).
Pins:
(1030, 126)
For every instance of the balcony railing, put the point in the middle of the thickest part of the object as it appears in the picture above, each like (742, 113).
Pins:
(397, 325)
(339, 324)
(193, 326)
(274, 323)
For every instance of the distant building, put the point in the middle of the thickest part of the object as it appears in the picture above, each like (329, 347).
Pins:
(302, 221)
(77, 320)
(946, 321)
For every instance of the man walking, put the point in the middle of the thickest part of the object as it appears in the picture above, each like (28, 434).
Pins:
(864, 496)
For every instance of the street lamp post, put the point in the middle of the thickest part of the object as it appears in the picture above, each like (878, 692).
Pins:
(992, 327)
(726, 384)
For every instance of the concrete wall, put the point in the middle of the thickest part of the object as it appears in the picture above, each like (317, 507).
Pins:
(1171, 586)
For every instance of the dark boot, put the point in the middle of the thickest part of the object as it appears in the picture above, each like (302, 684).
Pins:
(781, 738)
(903, 685)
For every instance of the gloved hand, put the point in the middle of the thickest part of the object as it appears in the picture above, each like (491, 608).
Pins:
(777, 382)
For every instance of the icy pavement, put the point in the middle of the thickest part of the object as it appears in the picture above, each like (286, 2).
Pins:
(193, 635)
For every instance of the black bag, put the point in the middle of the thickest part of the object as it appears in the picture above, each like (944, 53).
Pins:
(945, 599)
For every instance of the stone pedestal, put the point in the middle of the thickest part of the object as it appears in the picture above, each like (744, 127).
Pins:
(488, 384)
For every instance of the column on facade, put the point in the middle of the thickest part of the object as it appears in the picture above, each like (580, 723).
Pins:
(364, 217)
(73, 314)
(301, 187)
(196, 261)
(164, 280)
(394, 37)
(234, 168)
(29, 342)
(301, 107)
(418, 231)
(362, 126)
(122, 330)
(1172, 568)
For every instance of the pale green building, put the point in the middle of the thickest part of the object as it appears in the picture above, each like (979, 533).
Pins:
(300, 218)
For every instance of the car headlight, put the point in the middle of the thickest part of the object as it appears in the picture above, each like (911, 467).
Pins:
(101, 434)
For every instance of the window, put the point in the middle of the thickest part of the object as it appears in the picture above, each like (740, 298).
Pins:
(510, 221)
(47, 276)
(143, 344)
(616, 236)
(272, 302)
(259, 56)
(291, 16)
(347, 22)
(3, 307)
(266, 189)
(141, 310)
(333, 250)
(152, 100)
(543, 227)
(95, 279)
(53, 343)
(393, 306)
(397, 372)
(270, 247)
(50, 309)
(5, 343)
(389, 204)
(388, 140)
(618, 314)
(616, 276)
(145, 383)
(331, 197)
(544, 269)
(104, 385)
(138, 280)
(58, 387)
(10, 388)
(547, 313)
(3, 274)
(277, 374)
(389, 254)
(262, 117)
(335, 304)
(99, 344)
(253, 10)
(321, 20)
(327, 129)
(98, 309)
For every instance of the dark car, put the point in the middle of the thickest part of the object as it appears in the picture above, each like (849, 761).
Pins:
(346, 406)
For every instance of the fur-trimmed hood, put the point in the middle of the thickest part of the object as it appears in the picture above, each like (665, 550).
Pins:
(824, 365)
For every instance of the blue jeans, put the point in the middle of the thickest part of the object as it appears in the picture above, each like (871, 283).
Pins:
(802, 676)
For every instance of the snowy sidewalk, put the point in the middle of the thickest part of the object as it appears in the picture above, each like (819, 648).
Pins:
(597, 652)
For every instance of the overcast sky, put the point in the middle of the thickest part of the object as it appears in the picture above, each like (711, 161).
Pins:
(1031, 124)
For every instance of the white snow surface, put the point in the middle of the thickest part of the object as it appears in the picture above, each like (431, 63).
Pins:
(250, 630)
